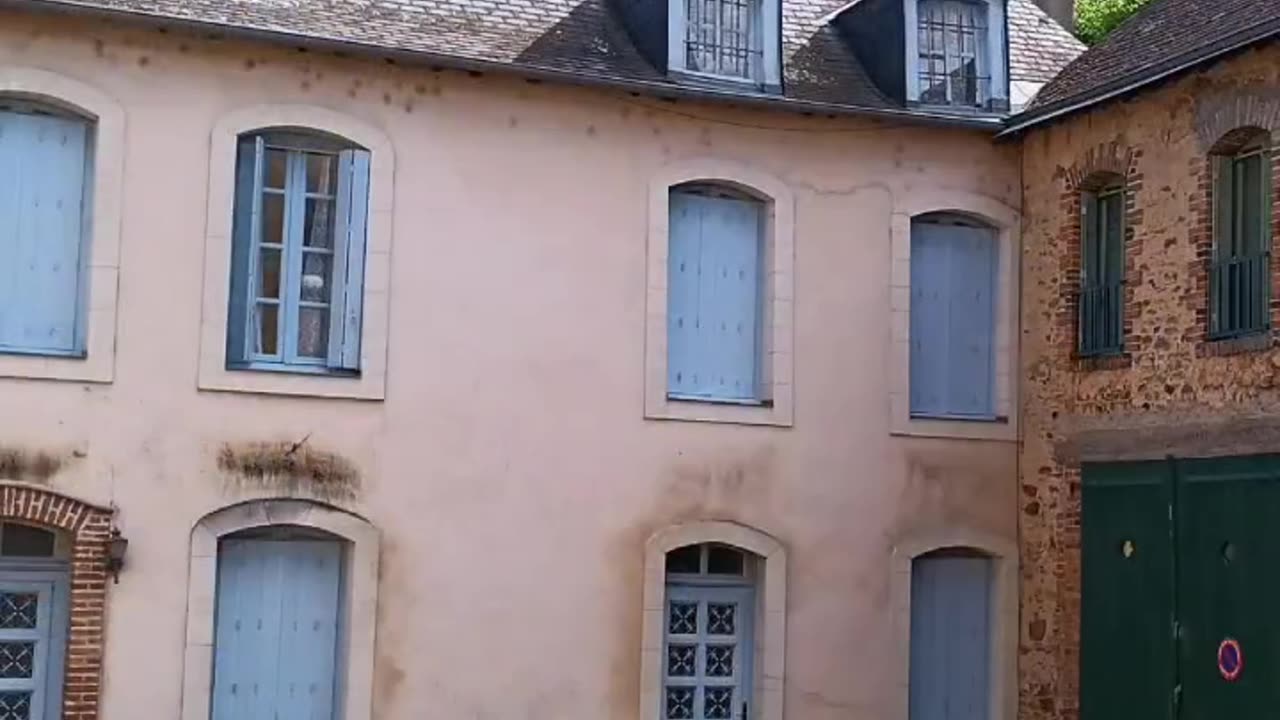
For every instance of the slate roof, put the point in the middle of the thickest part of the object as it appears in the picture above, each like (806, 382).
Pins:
(1164, 37)
(1038, 46)
(579, 37)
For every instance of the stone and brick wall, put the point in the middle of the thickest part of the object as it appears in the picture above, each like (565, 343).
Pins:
(1172, 391)
(88, 528)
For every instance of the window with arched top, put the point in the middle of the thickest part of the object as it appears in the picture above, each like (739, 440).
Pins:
(715, 268)
(951, 635)
(298, 252)
(46, 161)
(1240, 270)
(954, 271)
(1102, 266)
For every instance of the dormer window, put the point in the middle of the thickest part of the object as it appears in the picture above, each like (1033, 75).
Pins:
(956, 53)
(733, 41)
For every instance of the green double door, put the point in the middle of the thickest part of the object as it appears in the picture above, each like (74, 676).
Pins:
(1180, 610)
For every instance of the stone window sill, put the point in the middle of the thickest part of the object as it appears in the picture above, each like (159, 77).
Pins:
(1258, 342)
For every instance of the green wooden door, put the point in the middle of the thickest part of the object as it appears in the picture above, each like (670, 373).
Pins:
(1228, 528)
(1127, 652)
(1177, 565)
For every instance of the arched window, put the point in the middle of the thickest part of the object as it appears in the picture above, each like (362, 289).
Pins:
(951, 635)
(954, 269)
(715, 294)
(1240, 271)
(45, 180)
(710, 620)
(298, 254)
(34, 620)
(1102, 263)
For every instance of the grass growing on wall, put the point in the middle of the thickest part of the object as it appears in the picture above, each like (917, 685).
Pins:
(1096, 18)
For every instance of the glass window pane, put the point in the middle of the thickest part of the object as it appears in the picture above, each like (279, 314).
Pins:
(722, 560)
(1250, 194)
(25, 541)
(316, 270)
(322, 173)
(273, 175)
(1113, 244)
(266, 329)
(318, 223)
(272, 218)
(269, 273)
(313, 332)
(687, 559)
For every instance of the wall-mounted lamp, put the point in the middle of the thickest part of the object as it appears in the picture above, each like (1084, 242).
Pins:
(117, 546)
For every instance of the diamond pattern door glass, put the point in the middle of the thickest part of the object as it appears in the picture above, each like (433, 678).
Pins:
(707, 649)
(25, 612)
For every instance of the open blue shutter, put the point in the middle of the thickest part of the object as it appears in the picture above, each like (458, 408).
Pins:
(276, 636)
(713, 311)
(245, 226)
(950, 638)
(953, 285)
(351, 234)
(42, 193)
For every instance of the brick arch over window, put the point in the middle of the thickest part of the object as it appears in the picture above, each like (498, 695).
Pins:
(1231, 128)
(1003, 552)
(89, 528)
(1100, 167)
(771, 638)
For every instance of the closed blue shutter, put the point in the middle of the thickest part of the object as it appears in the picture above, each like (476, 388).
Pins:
(42, 193)
(713, 305)
(277, 622)
(953, 283)
(950, 638)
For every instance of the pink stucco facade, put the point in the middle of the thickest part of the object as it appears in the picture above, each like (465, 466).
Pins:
(506, 457)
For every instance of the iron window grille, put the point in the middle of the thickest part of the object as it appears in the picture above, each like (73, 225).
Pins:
(1240, 273)
(953, 60)
(723, 38)
(1102, 273)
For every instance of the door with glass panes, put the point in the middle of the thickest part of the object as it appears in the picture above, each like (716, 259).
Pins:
(710, 611)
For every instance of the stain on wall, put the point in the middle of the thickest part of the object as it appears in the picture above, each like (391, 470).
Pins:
(292, 468)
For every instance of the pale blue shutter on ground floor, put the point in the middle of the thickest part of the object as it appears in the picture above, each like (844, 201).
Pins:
(275, 649)
(953, 292)
(713, 302)
(42, 193)
(950, 638)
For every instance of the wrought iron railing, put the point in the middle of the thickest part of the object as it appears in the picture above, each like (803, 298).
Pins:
(1102, 319)
(1239, 296)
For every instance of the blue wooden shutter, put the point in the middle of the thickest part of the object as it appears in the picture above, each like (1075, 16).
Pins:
(713, 303)
(276, 636)
(246, 224)
(351, 238)
(950, 676)
(953, 286)
(42, 201)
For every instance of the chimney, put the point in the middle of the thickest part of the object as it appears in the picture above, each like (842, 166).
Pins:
(1063, 11)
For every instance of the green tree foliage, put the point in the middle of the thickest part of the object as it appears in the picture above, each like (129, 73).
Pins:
(1096, 18)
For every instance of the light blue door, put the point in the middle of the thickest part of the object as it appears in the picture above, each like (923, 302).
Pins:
(275, 648)
(32, 641)
(42, 194)
(950, 637)
(707, 659)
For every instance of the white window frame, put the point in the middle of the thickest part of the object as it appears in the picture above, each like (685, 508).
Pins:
(769, 636)
(104, 191)
(777, 305)
(767, 71)
(1007, 222)
(360, 593)
(996, 61)
(213, 374)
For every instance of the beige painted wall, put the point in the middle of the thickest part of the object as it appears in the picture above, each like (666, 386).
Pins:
(511, 469)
